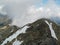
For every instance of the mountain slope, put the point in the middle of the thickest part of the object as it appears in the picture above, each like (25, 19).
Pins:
(36, 33)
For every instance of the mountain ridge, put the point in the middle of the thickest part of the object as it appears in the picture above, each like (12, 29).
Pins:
(38, 33)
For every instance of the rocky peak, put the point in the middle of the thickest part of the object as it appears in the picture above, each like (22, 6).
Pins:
(38, 33)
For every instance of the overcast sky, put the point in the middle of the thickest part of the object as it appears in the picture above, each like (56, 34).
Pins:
(27, 11)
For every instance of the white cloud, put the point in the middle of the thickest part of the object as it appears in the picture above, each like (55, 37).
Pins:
(18, 10)
(2, 11)
(25, 11)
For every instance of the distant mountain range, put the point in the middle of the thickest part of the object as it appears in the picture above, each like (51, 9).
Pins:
(56, 19)
(4, 19)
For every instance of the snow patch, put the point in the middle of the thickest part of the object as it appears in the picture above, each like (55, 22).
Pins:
(51, 29)
(17, 42)
(10, 38)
